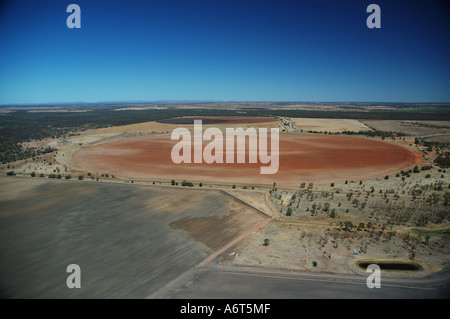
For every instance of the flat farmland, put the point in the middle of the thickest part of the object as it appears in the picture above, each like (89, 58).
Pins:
(129, 240)
(224, 120)
(329, 125)
(438, 131)
(168, 125)
(302, 158)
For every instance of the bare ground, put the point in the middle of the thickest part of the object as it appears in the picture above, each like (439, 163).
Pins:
(128, 240)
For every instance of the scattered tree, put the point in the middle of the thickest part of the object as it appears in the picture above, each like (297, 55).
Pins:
(289, 211)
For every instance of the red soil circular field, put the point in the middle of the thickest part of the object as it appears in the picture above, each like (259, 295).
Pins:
(303, 158)
(206, 120)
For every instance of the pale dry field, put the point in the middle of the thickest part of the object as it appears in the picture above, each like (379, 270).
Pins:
(329, 125)
(438, 131)
(159, 127)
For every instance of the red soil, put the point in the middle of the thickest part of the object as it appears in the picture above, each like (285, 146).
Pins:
(303, 158)
(218, 120)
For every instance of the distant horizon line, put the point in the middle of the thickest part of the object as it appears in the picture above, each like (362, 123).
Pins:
(210, 101)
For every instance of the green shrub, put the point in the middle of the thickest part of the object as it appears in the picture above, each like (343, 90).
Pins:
(289, 211)
(333, 213)
(186, 183)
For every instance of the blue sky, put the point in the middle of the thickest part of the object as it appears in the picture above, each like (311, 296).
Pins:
(305, 50)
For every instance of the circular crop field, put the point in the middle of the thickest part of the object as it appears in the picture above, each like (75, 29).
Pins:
(302, 158)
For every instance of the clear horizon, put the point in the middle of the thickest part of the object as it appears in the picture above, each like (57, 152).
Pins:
(224, 51)
(214, 101)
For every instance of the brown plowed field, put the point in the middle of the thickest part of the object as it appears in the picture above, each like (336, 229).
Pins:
(218, 120)
(303, 158)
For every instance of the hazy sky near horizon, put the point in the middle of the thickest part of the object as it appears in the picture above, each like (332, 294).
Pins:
(304, 50)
